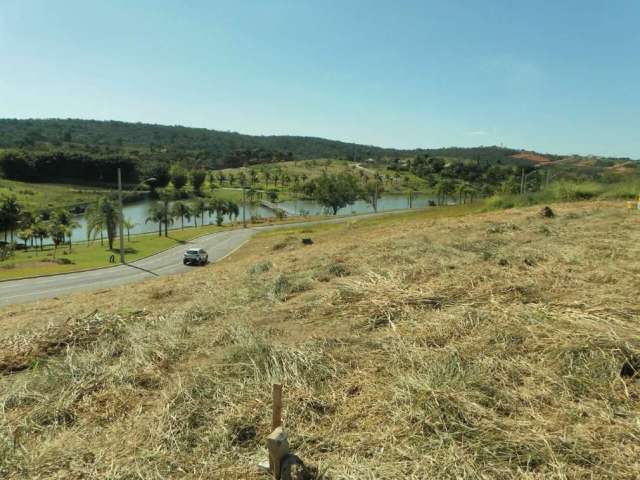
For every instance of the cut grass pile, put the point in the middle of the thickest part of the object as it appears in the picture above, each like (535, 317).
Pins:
(492, 345)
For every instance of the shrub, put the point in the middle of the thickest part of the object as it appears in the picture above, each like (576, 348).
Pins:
(261, 267)
(285, 285)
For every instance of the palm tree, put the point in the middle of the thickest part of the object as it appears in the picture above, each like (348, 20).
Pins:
(160, 214)
(232, 209)
(267, 177)
(253, 176)
(198, 209)
(40, 230)
(103, 216)
(94, 227)
(181, 210)
(242, 178)
(444, 188)
(129, 224)
(220, 208)
(65, 219)
(9, 215)
(25, 235)
(58, 233)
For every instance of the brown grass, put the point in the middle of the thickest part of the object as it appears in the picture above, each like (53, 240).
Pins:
(483, 346)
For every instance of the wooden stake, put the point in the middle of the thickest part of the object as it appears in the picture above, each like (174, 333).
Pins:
(276, 419)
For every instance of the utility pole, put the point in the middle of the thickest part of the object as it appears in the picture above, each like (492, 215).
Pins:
(522, 183)
(547, 175)
(121, 216)
(244, 218)
(375, 195)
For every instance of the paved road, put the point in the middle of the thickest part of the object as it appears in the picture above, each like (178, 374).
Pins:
(218, 245)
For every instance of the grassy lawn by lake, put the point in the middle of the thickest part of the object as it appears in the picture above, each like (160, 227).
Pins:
(314, 168)
(82, 256)
(85, 256)
(34, 196)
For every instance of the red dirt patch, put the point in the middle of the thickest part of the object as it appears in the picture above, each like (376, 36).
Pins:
(532, 157)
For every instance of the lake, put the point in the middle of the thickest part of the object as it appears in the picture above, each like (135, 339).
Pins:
(138, 212)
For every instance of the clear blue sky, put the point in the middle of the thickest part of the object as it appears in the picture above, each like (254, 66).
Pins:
(558, 76)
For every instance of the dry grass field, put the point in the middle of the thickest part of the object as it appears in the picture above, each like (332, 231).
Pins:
(492, 345)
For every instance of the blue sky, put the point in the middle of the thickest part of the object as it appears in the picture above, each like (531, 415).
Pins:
(558, 76)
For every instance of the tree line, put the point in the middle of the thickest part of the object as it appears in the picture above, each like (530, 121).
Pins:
(176, 140)
(31, 228)
(102, 219)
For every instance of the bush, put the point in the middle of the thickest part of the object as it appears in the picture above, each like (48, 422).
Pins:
(6, 251)
(261, 267)
(285, 285)
(570, 191)
(565, 191)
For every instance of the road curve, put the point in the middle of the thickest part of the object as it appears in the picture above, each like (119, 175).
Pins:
(218, 245)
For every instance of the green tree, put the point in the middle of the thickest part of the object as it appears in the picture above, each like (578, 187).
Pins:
(129, 224)
(197, 180)
(161, 173)
(242, 178)
(57, 233)
(101, 216)
(372, 191)
(178, 177)
(198, 209)
(220, 208)
(40, 230)
(25, 234)
(10, 211)
(233, 209)
(181, 210)
(272, 195)
(159, 213)
(336, 191)
(66, 220)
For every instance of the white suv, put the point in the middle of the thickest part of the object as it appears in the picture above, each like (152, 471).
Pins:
(195, 256)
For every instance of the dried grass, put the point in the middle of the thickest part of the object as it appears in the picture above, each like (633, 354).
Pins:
(427, 360)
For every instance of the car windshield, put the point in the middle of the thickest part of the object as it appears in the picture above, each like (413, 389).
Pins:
(192, 252)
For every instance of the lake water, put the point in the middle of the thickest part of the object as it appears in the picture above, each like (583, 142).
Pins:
(138, 212)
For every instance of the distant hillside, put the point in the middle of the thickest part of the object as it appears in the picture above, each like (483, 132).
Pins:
(212, 144)
(90, 150)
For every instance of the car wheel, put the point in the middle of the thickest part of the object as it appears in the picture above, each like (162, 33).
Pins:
(184, 262)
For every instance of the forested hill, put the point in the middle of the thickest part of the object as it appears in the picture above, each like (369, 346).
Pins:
(90, 150)
(113, 135)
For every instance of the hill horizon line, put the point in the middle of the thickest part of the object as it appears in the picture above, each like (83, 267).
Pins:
(303, 137)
